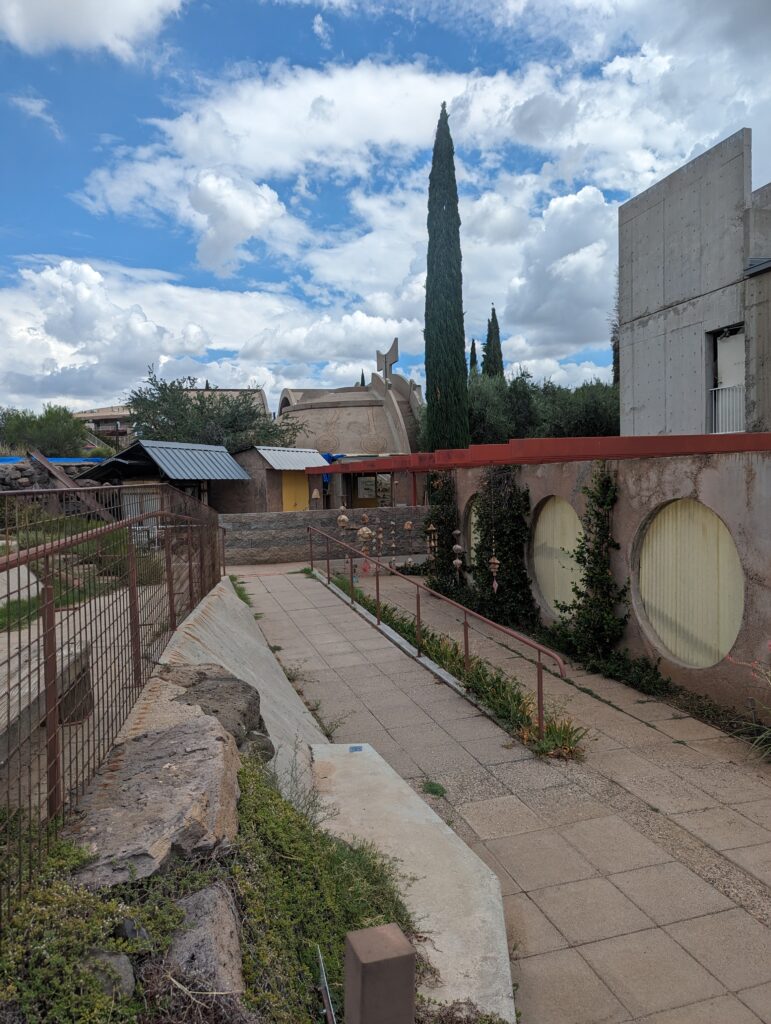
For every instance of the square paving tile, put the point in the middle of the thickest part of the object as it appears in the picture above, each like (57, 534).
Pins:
(344, 660)
(759, 1001)
(449, 708)
(649, 972)
(470, 784)
(538, 859)
(590, 909)
(612, 845)
(755, 859)
(733, 946)
(563, 804)
(668, 793)
(729, 783)
(529, 932)
(559, 988)
(758, 811)
(721, 1010)
(443, 758)
(670, 892)
(500, 816)
(501, 750)
(507, 883)
(405, 713)
(530, 775)
(477, 728)
(723, 828)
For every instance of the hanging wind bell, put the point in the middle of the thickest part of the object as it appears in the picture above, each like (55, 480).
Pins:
(494, 565)
(457, 549)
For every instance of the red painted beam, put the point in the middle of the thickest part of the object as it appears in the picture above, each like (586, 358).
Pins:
(533, 450)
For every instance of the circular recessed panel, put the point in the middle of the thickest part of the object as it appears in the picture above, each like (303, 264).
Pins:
(556, 534)
(691, 583)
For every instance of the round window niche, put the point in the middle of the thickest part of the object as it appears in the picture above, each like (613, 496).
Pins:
(691, 583)
(556, 533)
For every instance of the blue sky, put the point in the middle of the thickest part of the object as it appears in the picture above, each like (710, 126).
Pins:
(238, 190)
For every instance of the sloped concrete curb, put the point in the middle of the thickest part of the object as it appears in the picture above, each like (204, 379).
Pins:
(452, 894)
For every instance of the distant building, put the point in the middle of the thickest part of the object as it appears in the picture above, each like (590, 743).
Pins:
(380, 418)
(695, 299)
(112, 422)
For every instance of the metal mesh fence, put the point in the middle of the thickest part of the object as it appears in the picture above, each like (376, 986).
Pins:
(92, 583)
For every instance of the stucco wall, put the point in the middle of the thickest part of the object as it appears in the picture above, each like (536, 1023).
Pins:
(261, 494)
(283, 536)
(736, 487)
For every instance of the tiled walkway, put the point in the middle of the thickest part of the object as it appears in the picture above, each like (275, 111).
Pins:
(635, 883)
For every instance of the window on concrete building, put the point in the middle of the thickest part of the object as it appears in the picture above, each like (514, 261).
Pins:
(728, 375)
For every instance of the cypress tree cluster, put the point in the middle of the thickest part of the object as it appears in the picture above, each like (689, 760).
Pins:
(492, 361)
(446, 377)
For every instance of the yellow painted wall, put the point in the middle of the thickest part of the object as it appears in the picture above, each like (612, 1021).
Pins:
(294, 491)
(691, 583)
(557, 530)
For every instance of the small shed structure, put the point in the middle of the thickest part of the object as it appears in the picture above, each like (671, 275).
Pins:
(277, 481)
(193, 468)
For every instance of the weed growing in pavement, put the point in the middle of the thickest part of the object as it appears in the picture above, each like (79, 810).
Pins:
(433, 788)
(240, 589)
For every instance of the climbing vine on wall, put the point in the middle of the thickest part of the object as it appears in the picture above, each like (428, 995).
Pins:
(593, 623)
(502, 516)
(443, 516)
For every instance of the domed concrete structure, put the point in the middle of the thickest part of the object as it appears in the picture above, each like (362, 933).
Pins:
(379, 418)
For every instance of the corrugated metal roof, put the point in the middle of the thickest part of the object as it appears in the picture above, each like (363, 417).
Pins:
(194, 461)
(292, 458)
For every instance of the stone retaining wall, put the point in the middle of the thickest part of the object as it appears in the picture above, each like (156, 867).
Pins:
(265, 537)
(21, 476)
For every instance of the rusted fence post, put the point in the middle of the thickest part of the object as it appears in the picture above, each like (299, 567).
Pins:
(466, 657)
(53, 739)
(329, 573)
(350, 567)
(190, 581)
(169, 578)
(379, 976)
(310, 541)
(377, 588)
(417, 621)
(135, 638)
(541, 724)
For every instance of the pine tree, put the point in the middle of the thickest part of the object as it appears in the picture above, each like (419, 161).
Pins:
(446, 375)
(492, 360)
(473, 368)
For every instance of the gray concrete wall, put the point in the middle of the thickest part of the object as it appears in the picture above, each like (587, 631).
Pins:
(737, 487)
(283, 536)
(757, 318)
(682, 251)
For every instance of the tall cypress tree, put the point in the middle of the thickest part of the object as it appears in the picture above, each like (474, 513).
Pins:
(492, 360)
(473, 368)
(446, 376)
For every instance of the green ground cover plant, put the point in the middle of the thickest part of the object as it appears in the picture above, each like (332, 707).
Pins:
(504, 697)
(296, 888)
(240, 589)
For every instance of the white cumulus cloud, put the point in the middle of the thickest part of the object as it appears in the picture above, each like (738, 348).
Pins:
(38, 26)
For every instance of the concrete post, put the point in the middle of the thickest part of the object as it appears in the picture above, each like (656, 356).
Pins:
(379, 976)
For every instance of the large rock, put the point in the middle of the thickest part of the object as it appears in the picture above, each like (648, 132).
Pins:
(173, 791)
(219, 693)
(208, 946)
(114, 973)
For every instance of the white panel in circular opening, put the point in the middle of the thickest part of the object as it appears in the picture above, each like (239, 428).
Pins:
(556, 534)
(691, 583)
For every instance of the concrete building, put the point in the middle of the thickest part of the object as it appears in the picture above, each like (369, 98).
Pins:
(695, 299)
(379, 418)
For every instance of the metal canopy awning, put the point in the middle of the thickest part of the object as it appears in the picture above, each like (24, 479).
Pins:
(175, 459)
(292, 458)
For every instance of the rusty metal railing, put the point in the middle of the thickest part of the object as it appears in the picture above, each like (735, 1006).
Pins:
(92, 583)
(420, 588)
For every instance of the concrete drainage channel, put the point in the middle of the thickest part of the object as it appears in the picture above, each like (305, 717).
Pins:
(170, 788)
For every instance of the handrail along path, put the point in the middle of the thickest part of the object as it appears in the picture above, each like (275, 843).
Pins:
(540, 649)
